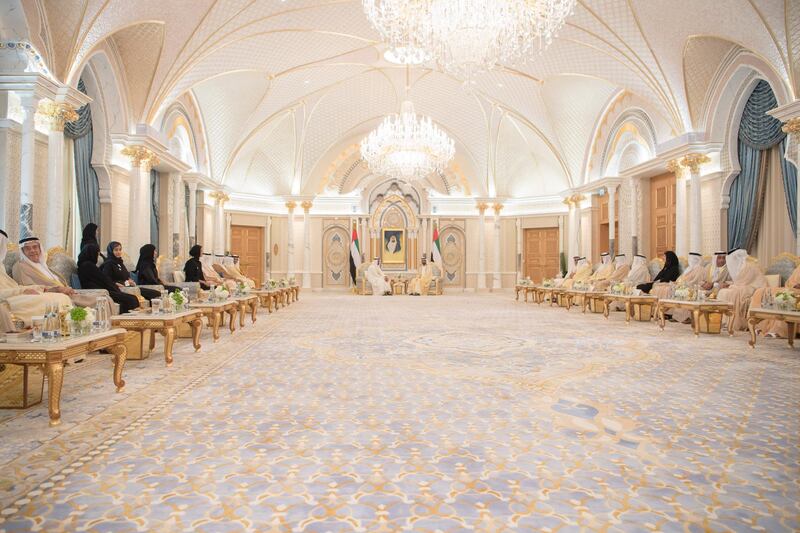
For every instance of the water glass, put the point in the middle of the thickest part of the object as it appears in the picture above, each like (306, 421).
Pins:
(155, 304)
(37, 324)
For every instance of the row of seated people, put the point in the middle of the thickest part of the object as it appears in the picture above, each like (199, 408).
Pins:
(33, 285)
(732, 277)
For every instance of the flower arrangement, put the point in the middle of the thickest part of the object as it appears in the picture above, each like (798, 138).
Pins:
(272, 284)
(282, 283)
(78, 314)
(785, 300)
(618, 288)
(220, 293)
(178, 299)
(581, 286)
(242, 288)
(292, 281)
(548, 282)
(80, 319)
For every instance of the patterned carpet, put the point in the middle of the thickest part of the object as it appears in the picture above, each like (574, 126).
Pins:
(462, 412)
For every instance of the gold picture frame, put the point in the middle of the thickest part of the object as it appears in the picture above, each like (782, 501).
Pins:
(393, 246)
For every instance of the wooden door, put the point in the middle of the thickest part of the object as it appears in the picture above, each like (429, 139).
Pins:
(248, 243)
(541, 253)
(662, 214)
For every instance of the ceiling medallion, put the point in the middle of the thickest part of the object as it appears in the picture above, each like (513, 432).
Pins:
(467, 37)
(407, 147)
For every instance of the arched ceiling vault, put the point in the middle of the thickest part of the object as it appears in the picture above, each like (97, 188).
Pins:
(247, 63)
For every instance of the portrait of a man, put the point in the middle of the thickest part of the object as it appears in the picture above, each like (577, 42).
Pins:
(393, 250)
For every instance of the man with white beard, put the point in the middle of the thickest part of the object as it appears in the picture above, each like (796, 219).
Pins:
(377, 279)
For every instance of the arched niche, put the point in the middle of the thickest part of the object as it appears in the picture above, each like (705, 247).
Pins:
(394, 216)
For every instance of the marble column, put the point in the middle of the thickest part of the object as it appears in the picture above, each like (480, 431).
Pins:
(177, 212)
(482, 207)
(681, 244)
(612, 218)
(633, 214)
(792, 128)
(219, 221)
(226, 244)
(497, 282)
(306, 205)
(520, 268)
(27, 167)
(290, 240)
(57, 115)
(142, 161)
(693, 163)
(193, 212)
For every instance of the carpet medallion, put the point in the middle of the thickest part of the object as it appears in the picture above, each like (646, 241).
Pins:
(454, 413)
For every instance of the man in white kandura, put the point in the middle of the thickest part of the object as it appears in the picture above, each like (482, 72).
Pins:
(422, 283)
(378, 280)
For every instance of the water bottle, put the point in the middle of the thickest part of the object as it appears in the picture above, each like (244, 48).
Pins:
(47, 326)
(100, 315)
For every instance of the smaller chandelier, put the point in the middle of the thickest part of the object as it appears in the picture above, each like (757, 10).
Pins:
(407, 147)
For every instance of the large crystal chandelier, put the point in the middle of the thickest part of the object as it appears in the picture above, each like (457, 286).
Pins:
(469, 36)
(407, 147)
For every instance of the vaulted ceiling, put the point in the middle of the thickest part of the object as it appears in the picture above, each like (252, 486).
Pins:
(284, 87)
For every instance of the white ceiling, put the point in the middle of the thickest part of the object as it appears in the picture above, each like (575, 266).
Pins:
(281, 85)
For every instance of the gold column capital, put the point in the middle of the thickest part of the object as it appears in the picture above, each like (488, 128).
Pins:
(675, 167)
(141, 157)
(693, 161)
(220, 196)
(497, 208)
(290, 205)
(306, 205)
(792, 126)
(57, 114)
(482, 207)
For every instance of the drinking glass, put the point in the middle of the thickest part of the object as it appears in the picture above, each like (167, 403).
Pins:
(100, 315)
(37, 324)
(155, 304)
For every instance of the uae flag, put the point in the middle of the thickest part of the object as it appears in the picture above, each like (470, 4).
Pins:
(355, 255)
(436, 249)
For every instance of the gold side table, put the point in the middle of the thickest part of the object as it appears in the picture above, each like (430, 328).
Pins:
(698, 309)
(757, 314)
(166, 324)
(636, 307)
(54, 355)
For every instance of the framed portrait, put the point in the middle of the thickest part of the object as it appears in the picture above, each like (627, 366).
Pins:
(393, 246)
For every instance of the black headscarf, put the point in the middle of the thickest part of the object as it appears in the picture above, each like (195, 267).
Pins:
(671, 270)
(114, 267)
(110, 251)
(90, 236)
(147, 257)
(196, 251)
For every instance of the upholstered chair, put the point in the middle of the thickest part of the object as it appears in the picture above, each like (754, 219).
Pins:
(781, 266)
(436, 283)
(654, 266)
(67, 269)
(362, 285)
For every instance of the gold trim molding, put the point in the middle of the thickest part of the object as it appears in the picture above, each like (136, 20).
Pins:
(57, 114)
(141, 156)
(694, 161)
(792, 126)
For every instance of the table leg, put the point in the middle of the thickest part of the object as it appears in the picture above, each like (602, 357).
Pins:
(232, 318)
(586, 302)
(197, 328)
(751, 326)
(253, 311)
(792, 331)
(606, 308)
(696, 322)
(169, 342)
(660, 317)
(152, 338)
(120, 354)
(242, 313)
(55, 379)
(628, 312)
(215, 319)
(517, 297)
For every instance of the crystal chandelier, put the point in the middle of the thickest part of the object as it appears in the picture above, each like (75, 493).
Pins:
(407, 147)
(466, 37)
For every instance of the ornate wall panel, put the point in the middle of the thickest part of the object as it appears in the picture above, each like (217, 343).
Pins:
(454, 254)
(335, 257)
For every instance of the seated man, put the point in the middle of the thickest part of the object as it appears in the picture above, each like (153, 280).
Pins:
(583, 271)
(232, 271)
(746, 278)
(776, 328)
(638, 274)
(421, 284)
(621, 269)
(718, 276)
(25, 302)
(211, 276)
(559, 281)
(378, 280)
(32, 269)
(693, 276)
(604, 271)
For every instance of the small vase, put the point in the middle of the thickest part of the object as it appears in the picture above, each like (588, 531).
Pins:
(74, 329)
